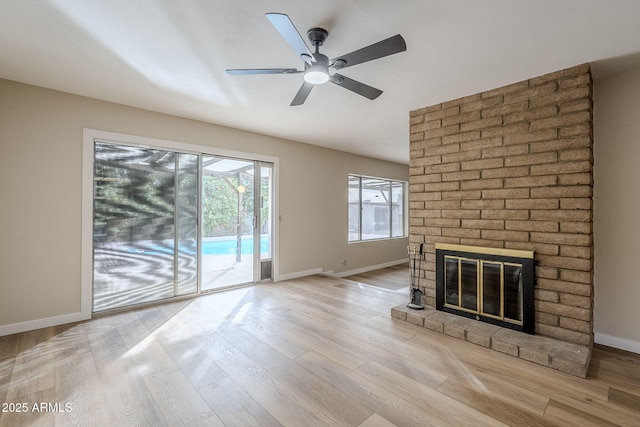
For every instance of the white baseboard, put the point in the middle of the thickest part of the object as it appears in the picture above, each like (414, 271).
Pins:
(297, 274)
(372, 267)
(619, 343)
(31, 325)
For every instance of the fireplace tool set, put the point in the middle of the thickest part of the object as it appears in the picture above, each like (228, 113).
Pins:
(415, 264)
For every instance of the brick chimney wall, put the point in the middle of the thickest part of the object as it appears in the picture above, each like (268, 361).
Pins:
(512, 168)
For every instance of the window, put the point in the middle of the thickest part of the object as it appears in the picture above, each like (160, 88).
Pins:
(376, 208)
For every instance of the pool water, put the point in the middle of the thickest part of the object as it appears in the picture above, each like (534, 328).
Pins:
(216, 246)
(228, 246)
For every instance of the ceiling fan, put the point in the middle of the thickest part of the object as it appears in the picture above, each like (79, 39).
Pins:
(318, 68)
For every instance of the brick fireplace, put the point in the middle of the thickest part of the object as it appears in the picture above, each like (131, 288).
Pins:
(512, 168)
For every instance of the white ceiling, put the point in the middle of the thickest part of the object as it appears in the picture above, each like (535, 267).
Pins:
(170, 56)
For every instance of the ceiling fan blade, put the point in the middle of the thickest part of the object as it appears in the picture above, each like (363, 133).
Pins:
(356, 86)
(288, 31)
(244, 71)
(302, 94)
(381, 49)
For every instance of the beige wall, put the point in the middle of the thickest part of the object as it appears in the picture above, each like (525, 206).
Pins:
(617, 210)
(40, 191)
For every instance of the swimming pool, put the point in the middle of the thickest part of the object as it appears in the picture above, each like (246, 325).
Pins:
(210, 246)
(227, 246)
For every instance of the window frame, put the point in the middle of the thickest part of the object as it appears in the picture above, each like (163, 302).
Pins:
(391, 185)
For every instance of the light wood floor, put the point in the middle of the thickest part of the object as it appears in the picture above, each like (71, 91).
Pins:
(306, 352)
(395, 278)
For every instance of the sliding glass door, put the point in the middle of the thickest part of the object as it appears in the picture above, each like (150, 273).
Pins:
(228, 222)
(170, 223)
(264, 246)
(186, 218)
(236, 221)
(145, 225)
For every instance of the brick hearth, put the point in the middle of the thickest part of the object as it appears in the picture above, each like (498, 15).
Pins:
(566, 357)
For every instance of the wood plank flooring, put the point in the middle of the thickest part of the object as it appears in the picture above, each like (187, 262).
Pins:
(394, 278)
(307, 352)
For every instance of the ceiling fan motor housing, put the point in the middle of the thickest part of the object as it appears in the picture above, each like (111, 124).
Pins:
(317, 36)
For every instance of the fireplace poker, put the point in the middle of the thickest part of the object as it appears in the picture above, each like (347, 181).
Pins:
(411, 251)
(420, 263)
(416, 293)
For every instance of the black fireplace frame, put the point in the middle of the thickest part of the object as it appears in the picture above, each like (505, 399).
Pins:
(525, 258)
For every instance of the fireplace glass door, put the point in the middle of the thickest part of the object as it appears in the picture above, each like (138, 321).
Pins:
(513, 292)
(492, 289)
(492, 285)
(461, 278)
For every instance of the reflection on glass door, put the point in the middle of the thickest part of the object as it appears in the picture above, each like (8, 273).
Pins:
(145, 225)
(186, 269)
(170, 223)
(228, 221)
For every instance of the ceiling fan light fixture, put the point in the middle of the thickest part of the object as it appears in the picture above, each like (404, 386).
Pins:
(316, 74)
